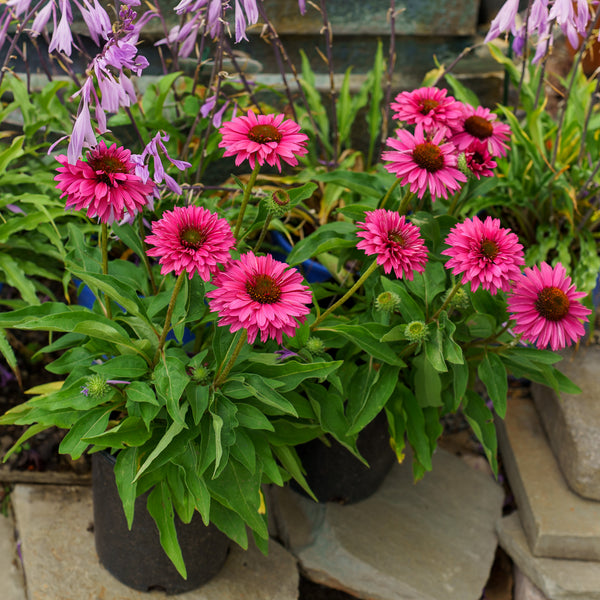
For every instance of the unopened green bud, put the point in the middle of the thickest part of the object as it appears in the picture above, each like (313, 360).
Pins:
(416, 331)
(201, 375)
(462, 164)
(315, 346)
(95, 386)
(387, 302)
(278, 204)
(460, 300)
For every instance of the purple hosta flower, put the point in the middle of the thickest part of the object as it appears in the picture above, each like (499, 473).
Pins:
(6, 375)
(209, 106)
(18, 6)
(15, 209)
(504, 21)
(83, 132)
(155, 148)
(572, 24)
(302, 6)
(96, 19)
(244, 18)
(284, 354)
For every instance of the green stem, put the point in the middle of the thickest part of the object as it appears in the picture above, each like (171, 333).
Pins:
(246, 197)
(447, 301)
(145, 256)
(263, 233)
(223, 371)
(405, 202)
(167, 325)
(347, 295)
(104, 250)
(389, 193)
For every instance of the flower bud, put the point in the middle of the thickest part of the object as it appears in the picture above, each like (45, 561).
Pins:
(315, 346)
(387, 302)
(279, 203)
(95, 387)
(201, 375)
(460, 300)
(416, 331)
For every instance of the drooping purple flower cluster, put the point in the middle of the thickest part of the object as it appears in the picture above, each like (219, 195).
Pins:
(572, 16)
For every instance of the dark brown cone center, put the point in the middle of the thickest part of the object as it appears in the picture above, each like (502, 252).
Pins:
(428, 156)
(479, 127)
(192, 238)
(552, 303)
(263, 289)
(263, 134)
(489, 249)
(105, 166)
(428, 105)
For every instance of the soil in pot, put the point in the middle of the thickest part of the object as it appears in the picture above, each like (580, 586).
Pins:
(334, 474)
(136, 557)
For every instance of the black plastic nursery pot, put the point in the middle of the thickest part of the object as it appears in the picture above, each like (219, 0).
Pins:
(136, 557)
(334, 474)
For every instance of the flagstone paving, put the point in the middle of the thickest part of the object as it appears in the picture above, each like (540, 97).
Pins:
(12, 584)
(433, 540)
(54, 524)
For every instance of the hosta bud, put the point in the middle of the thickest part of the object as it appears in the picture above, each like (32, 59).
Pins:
(387, 302)
(416, 331)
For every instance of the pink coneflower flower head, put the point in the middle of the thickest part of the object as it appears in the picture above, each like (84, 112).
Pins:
(486, 254)
(479, 161)
(481, 125)
(425, 164)
(396, 242)
(191, 239)
(546, 307)
(428, 106)
(261, 295)
(105, 184)
(263, 138)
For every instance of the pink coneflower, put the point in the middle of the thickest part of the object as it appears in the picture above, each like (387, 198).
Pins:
(486, 254)
(260, 294)
(546, 307)
(424, 163)
(480, 125)
(428, 106)
(105, 184)
(396, 242)
(479, 161)
(191, 239)
(263, 138)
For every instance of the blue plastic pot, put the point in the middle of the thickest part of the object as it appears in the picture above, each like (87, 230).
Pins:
(313, 271)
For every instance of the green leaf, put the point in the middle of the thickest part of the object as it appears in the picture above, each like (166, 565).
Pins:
(170, 379)
(130, 432)
(415, 427)
(290, 461)
(252, 418)
(324, 238)
(481, 420)
(140, 392)
(492, 372)
(125, 470)
(428, 385)
(15, 277)
(93, 422)
(124, 367)
(160, 507)
(292, 373)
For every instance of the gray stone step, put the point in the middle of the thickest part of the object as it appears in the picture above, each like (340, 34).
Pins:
(12, 584)
(433, 540)
(557, 522)
(572, 422)
(55, 528)
(557, 579)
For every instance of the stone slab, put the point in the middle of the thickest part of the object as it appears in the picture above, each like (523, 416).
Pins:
(572, 421)
(558, 523)
(525, 589)
(433, 540)
(557, 579)
(55, 527)
(12, 584)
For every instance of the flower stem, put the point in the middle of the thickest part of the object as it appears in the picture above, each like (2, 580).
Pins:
(104, 250)
(405, 202)
(246, 197)
(145, 256)
(223, 371)
(437, 313)
(347, 295)
(167, 325)
(389, 193)
(263, 233)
